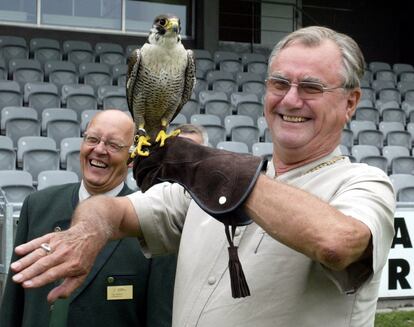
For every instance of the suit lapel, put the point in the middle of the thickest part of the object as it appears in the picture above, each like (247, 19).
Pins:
(102, 257)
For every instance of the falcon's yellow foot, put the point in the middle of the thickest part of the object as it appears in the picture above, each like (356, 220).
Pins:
(162, 136)
(141, 141)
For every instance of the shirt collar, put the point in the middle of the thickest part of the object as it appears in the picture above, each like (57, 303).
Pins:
(296, 172)
(84, 194)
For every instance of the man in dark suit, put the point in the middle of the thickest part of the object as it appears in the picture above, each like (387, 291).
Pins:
(124, 288)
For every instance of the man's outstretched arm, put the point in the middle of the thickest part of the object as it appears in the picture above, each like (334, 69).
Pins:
(95, 222)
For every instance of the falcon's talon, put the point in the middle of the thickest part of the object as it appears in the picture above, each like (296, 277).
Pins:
(162, 136)
(140, 142)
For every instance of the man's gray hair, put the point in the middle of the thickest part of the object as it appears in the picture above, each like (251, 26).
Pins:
(194, 129)
(352, 57)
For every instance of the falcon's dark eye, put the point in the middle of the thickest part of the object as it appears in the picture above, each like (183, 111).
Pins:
(163, 22)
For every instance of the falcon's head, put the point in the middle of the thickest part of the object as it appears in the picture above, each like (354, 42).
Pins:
(165, 29)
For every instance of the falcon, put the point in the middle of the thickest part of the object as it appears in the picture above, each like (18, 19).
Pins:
(160, 80)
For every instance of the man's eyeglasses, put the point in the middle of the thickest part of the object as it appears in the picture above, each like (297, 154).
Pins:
(306, 90)
(109, 145)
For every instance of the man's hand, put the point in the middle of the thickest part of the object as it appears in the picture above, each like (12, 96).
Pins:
(71, 257)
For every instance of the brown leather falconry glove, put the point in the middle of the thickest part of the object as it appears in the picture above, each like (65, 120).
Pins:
(219, 181)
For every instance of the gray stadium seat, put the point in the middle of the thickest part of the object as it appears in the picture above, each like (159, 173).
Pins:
(18, 122)
(7, 153)
(219, 108)
(119, 74)
(406, 194)
(10, 94)
(79, 97)
(179, 119)
(67, 146)
(386, 75)
(109, 53)
(246, 134)
(205, 119)
(376, 161)
(13, 47)
(371, 137)
(393, 151)
(45, 49)
(78, 51)
(401, 180)
(16, 185)
(86, 116)
(112, 97)
(25, 70)
(50, 114)
(49, 178)
(402, 165)
(61, 128)
(367, 113)
(402, 138)
(391, 114)
(263, 149)
(233, 146)
(95, 74)
(238, 97)
(232, 121)
(250, 108)
(205, 96)
(190, 108)
(262, 125)
(357, 126)
(41, 95)
(215, 133)
(347, 138)
(36, 154)
(360, 151)
(374, 66)
(61, 73)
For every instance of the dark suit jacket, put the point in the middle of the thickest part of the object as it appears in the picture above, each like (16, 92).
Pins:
(119, 263)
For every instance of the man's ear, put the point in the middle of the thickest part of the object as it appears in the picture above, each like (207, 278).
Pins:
(353, 99)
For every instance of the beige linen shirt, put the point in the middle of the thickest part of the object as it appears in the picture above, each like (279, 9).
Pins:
(287, 288)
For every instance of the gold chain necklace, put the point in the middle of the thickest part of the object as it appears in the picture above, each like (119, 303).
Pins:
(324, 164)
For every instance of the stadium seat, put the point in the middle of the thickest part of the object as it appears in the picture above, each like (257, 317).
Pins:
(41, 95)
(393, 115)
(179, 119)
(406, 194)
(374, 66)
(60, 126)
(49, 178)
(86, 116)
(232, 121)
(357, 126)
(367, 113)
(385, 75)
(37, 153)
(238, 97)
(95, 74)
(233, 146)
(262, 125)
(79, 97)
(371, 137)
(220, 56)
(16, 185)
(205, 119)
(402, 165)
(246, 134)
(119, 73)
(390, 152)
(17, 122)
(360, 151)
(45, 49)
(190, 108)
(7, 153)
(61, 73)
(401, 180)
(263, 149)
(376, 161)
(205, 96)
(10, 94)
(112, 97)
(402, 138)
(250, 108)
(219, 108)
(215, 133)
(78, 51)
(67, 146)
(109, 53)
(13, 47)
(347, 138)
(25, 70)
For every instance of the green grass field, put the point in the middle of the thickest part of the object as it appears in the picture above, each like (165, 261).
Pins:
(395, 319)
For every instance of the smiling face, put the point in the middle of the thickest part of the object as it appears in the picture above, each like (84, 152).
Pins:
(103, 170)
(305, 130)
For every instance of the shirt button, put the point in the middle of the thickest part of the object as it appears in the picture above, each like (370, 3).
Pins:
(211, 280)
